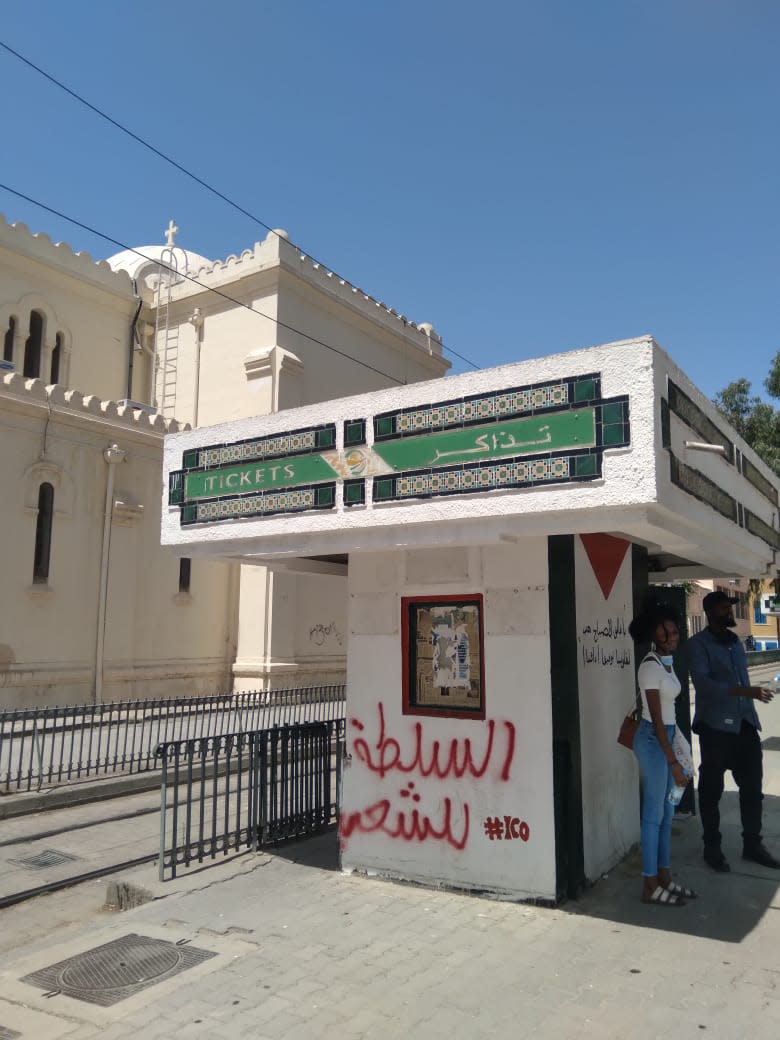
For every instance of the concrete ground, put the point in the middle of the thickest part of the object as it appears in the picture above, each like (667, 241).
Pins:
(301, 950)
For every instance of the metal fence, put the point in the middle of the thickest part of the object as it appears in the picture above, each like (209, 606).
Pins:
(51, 746)
(241, 790)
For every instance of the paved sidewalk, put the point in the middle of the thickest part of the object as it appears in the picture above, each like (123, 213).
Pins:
(303, 951)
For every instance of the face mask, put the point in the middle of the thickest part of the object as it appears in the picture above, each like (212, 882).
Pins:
(667, 659)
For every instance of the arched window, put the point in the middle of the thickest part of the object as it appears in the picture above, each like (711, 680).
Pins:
(32, 347)
(56, 358)
(185, 572)
(43, 534)
(8, 344)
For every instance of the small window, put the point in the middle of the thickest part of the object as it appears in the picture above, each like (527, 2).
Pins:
(32, 347)
(56, 358)
(8, 343)
(43, 534)
(758, 617)
(185, 569)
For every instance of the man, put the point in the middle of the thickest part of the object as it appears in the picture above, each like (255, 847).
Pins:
(727, 725)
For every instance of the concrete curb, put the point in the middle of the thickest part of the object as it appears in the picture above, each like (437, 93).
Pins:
(76, 794)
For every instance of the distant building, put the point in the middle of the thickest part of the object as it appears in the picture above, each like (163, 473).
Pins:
(100, 360)
(764, 629)
(736, 588)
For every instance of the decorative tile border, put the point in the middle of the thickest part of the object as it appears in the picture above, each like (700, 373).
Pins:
(354, 492)
(695, 483)
(690, 413)
(268, 503)
(553, 432)
(486, 408)
(511, 473)
(354, 433)
(298, 442)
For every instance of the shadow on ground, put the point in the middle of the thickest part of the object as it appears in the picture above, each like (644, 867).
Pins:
(729, 906)
(320, 851)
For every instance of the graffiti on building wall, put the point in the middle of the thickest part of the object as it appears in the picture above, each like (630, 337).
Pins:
(506, 828)
(319, 634)
(412, 765)
(604, 642)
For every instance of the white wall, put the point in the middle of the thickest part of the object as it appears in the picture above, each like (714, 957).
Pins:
(605, 672)
(158, 641)
(513, 580)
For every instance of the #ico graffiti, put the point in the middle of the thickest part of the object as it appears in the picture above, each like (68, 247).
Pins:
(386, 757)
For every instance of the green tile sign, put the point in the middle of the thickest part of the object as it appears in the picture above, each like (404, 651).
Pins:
(540, 433)
(508, 438)
(238, 480)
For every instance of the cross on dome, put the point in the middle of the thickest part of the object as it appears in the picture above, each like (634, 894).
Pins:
(170, 232)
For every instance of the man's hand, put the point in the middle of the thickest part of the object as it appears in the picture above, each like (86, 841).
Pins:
(762, 693)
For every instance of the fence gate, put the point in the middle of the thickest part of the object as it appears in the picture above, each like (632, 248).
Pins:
(237, 791)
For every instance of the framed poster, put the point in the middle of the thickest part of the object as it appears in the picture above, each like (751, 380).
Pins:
(443, 667)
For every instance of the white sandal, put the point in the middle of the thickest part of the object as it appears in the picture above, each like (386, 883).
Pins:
(663, 897)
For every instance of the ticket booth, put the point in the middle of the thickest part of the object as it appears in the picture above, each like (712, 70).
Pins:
(495, 531)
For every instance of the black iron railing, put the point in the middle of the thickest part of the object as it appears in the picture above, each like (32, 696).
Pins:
(50, 746)
(237, 791)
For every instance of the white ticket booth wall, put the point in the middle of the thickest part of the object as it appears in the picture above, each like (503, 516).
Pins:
(494, 532)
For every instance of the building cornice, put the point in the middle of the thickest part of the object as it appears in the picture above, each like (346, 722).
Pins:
(18, 239)
(276, 254)
(30, 395)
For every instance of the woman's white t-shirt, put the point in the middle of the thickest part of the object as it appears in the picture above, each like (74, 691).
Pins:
(653, 676)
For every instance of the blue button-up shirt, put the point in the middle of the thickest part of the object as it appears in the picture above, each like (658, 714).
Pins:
(717, 663)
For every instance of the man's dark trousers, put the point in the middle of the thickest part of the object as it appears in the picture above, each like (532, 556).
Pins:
(740, 753)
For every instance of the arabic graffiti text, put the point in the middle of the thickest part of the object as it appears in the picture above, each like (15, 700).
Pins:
(415, 761)
(380, 817)
(605, 643)
(455, 758)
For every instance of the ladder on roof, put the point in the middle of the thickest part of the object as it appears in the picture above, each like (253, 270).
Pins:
(166, 338)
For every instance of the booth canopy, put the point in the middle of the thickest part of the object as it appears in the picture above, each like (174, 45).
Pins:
(613, 438)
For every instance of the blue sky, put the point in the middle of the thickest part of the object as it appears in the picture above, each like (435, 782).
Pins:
(531, 177)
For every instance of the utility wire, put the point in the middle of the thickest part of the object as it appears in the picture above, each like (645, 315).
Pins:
(189, 278)
(178, 166)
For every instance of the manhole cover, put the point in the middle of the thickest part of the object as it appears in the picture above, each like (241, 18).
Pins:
(771, 744)
(47, 858)
(118, 969)
(8, 1034)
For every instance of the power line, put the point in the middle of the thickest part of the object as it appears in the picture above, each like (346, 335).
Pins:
(189, 278)
(178, 166)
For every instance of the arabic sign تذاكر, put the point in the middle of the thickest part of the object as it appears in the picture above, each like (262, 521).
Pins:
(575, 428)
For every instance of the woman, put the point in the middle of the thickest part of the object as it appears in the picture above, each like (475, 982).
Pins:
(659, 768)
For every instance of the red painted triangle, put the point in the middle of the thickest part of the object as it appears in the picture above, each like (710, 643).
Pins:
(606, 554)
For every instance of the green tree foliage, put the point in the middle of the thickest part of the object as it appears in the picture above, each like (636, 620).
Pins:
(754, 419)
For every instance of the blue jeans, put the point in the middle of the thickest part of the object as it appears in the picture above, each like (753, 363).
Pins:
(657, 810)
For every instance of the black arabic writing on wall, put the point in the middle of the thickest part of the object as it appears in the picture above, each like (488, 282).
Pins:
(604, 643)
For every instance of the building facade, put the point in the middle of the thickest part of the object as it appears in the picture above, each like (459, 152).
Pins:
(100, 360)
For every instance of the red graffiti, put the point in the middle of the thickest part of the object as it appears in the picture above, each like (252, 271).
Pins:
(507, 828)
(413, 826)
(437, 760)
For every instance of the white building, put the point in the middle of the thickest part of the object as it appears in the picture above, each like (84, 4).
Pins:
(90, 606)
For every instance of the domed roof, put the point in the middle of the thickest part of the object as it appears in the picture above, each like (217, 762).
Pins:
(136, 262)
(144, 262)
